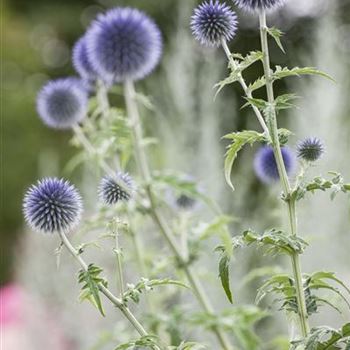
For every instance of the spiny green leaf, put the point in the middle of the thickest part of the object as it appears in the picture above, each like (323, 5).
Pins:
(240, 64)
(257, 84)
(325, 338)
(224, 273)
(276, 34)
(247, 61)
(274, 241)
(335, 184)
(147, 341)
(239, 139)
(284, 72)
(134, 291)
(90, 289)
(283, 101)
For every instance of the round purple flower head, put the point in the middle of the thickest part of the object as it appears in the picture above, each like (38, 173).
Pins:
(81, 61)
(253, 5)
(52, 205)
(110, 190)
(213, 21)
(122, 44)
(310, 149)
(265, 165)
(62, 103)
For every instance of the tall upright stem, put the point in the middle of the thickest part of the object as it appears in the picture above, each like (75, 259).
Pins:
(115, 301)
(273, 128)
(142, 163)
(118, 258)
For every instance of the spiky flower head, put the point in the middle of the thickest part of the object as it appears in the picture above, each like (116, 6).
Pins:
(122, 44)
(114, 189)
(265, 165)
(213, 21)
(310, 149)
(62, 103)
(52, 205)
(81, 61)
(253, 5)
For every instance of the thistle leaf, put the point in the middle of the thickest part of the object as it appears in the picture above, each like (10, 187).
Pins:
(134, 291)
(276, 34)
(239, 139)
(224, 273)
(90, 289)
(325, 338)
(285, 72)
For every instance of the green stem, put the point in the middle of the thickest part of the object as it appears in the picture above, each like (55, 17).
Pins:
(115, 301)
(244, 86)
(118, 255)
(273, 128)
(142, 163)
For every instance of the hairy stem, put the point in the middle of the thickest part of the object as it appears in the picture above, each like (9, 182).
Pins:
(302, 309)
(167, 233)
(115, 301)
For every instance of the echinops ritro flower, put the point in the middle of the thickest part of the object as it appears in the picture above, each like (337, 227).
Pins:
(62, 103)
(265, 164)
(212, 22)
(253, 5)
(52, 205)
(123, 44)
(110, 190)
(81, 61)
(310, 149)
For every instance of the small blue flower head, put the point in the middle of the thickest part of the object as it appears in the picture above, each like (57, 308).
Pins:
(111, 192)
(81, 61)
(253, 5)
(122, 44)
(265, 165)
(213, 21)
(62, 103)
(310, 149)
(52, 205)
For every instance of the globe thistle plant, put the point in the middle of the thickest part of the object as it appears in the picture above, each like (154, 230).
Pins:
(310, 149)
(123, 44)
(253, 5)
(212, 22)
(81, 61)
(52, 205)
(265, 165)
(110, 190)
(62, 103)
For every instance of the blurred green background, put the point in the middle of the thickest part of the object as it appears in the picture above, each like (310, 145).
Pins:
(36, 45)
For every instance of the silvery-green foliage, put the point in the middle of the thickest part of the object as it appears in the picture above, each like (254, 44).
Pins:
(323, 337)
(300, 293)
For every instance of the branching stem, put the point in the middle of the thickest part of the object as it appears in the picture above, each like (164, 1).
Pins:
(115, 301)
(142, 163)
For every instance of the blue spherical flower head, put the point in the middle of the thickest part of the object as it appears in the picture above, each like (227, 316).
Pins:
(62, 103)
(265, 165)
(111, 192)
(212, 22)
(81, 61)
(123, 44)
(310, 149)
(253, 5)
(52, 205)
